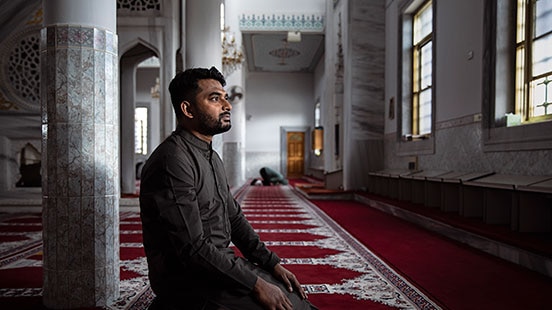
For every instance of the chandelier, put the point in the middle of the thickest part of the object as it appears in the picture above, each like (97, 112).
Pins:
(155, 89)
(232, 56)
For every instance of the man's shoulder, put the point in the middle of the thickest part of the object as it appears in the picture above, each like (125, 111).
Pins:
(166, 147)
(170, 153)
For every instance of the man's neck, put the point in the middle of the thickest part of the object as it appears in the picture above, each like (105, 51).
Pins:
(200, 136)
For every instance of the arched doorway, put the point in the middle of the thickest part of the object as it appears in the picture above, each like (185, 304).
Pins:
(135, 91)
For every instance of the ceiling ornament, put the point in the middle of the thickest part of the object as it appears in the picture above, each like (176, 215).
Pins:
(134, 7)
(283, 53)
(232, 56)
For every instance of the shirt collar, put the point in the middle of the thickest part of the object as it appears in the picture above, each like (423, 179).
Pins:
(188, 136)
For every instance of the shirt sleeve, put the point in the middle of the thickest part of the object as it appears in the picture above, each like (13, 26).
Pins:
(248, 241)
(179, 213)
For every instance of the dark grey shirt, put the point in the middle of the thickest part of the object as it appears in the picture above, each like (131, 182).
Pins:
(189, 217)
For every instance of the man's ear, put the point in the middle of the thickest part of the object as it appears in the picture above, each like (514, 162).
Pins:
(186, 109)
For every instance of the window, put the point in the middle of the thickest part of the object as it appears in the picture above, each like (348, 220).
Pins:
(422, 71)
(517, 72)
(416, 78)
(141, 130)
(533, 72)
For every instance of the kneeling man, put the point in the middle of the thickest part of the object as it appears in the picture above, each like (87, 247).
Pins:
(189, 217)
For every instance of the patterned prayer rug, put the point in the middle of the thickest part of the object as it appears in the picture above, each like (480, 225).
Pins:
(21, 262)
(334, 268)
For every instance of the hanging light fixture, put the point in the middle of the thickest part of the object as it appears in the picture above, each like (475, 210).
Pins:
(155, 89)
(232, 56)
(318, 140)
(294, 36)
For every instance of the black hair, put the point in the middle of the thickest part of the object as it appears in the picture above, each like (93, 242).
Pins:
(184, 86)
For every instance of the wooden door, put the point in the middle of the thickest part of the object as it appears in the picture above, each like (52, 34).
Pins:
(295, 154)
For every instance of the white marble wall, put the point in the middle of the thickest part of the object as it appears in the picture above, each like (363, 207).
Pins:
(459, 148)
(256, 160)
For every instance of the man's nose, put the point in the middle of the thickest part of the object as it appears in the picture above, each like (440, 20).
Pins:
(226, 105)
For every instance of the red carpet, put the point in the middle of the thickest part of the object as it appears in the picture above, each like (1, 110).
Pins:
(380, 262)
(455, 275)
(21, 262)
(539, 243)
(336, 270)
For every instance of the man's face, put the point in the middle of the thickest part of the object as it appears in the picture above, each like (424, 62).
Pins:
(211, 108)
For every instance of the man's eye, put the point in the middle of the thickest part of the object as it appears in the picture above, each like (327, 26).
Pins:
(215, 98)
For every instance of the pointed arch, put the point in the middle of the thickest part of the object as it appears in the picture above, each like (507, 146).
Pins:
(132, 54)
(137, 46)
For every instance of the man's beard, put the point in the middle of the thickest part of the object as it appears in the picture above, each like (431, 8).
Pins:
(211, 126)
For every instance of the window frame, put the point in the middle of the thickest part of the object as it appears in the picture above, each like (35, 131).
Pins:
(499, 63)
(524, 46)
(408, 142)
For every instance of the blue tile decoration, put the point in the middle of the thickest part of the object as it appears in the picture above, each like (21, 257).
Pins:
(284, 22)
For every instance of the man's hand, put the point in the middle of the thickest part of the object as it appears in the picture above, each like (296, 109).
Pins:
(289, 280)
(271, 296)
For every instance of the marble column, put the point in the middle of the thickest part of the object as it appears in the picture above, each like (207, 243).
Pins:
(203, 42)
(127, 105)
(364, 90)
(80, 128)
(234, 140)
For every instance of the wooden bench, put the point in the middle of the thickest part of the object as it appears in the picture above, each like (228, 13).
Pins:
(534, 212)
(445, 190)
(386, 182)
(413, 186)
(494, 198)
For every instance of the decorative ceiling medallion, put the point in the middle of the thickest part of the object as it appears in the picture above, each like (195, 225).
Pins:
(284, 52)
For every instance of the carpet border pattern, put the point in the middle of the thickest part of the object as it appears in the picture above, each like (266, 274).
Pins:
(406, 289)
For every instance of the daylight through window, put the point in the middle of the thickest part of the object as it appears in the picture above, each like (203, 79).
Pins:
(534, 60)
(141, 130)
(422, 59)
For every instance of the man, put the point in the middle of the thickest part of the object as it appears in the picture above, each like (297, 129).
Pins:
(189, 216)
(271, 177)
